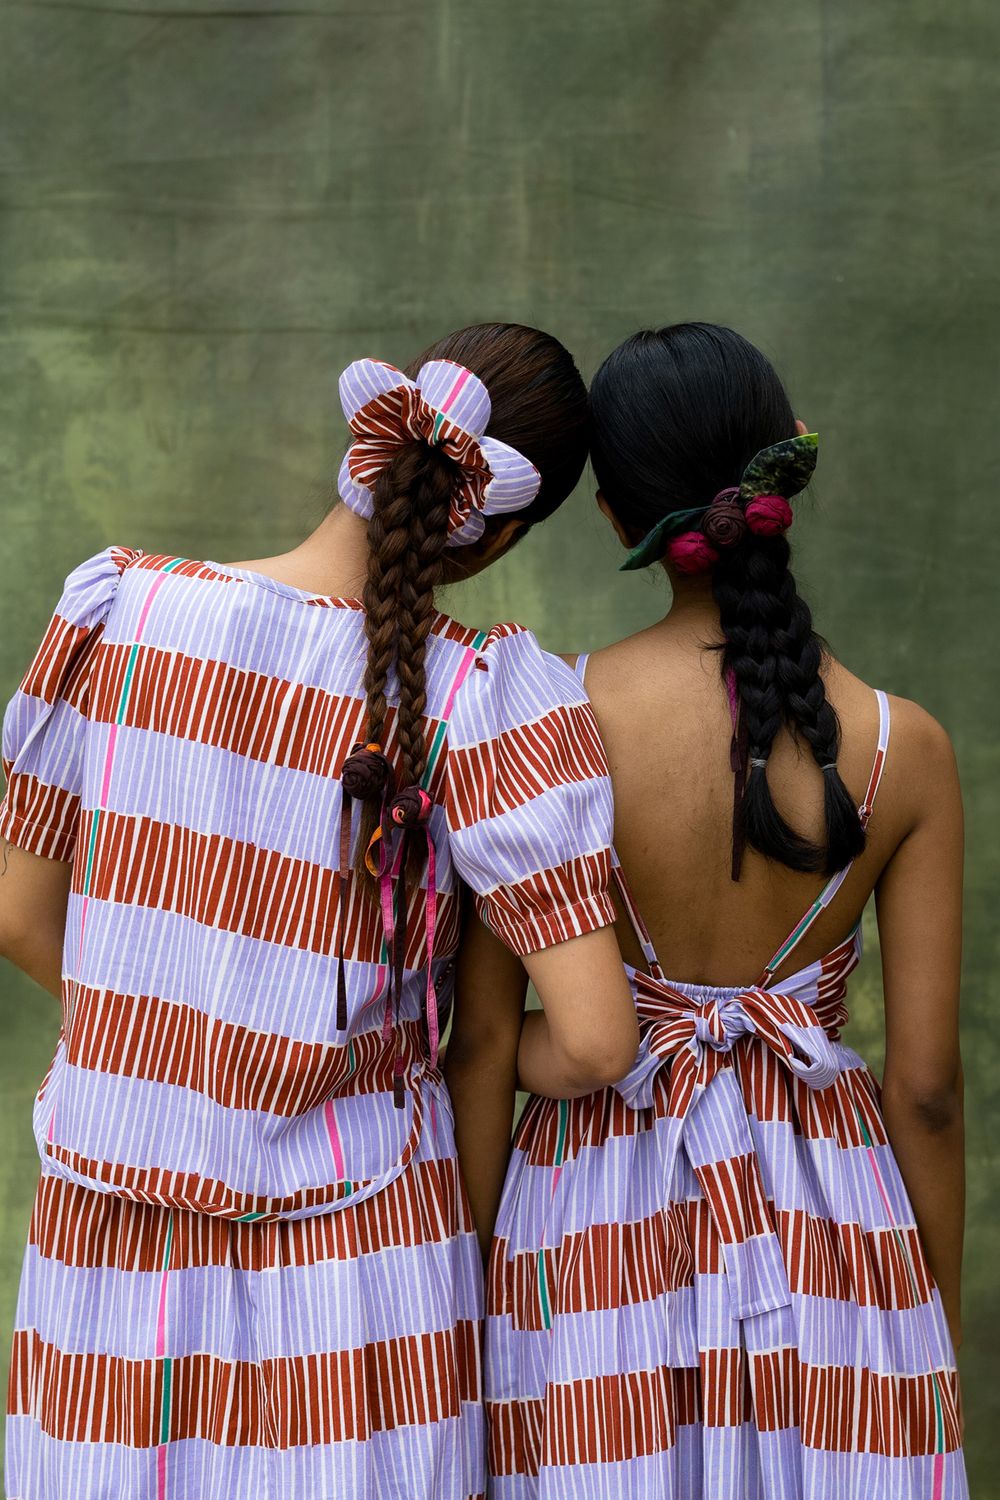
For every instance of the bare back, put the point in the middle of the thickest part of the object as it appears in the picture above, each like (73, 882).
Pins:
(666, 727)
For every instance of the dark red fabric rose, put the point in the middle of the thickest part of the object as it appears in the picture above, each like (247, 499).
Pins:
(724, 523)
(365, 774)
(410, 807)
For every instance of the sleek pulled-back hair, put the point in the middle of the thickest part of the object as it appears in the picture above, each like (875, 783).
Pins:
(539, 406)
(677, 414)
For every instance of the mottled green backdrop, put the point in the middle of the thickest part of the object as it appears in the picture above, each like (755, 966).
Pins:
(207, 212)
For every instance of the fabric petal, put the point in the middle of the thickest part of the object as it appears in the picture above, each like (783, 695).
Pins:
(452, 389)
(365, 379)
(469, 531)
(515, 481)
(356, 497)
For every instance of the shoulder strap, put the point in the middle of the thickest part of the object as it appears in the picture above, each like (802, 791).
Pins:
(618, 874)
(833, 885)
(635, 918)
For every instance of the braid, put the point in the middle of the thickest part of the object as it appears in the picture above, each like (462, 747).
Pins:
(407, 535)
(776, 658)
(422, 573)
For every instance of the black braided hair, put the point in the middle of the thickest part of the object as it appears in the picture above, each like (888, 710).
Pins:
(677, 415)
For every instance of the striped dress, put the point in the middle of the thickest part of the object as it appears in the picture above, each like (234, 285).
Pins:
(249, 1272)
(708, 1282)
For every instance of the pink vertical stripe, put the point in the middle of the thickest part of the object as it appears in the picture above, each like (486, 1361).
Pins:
(161, 1316)
(145, 608)
(109, 757)
(937, 1484)
(452, 394)
(161, 1472)
(335, 1144)
(460, 677)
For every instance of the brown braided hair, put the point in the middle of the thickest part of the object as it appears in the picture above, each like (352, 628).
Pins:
(539, 406)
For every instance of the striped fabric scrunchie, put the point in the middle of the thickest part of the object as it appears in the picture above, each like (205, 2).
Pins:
(448, 407)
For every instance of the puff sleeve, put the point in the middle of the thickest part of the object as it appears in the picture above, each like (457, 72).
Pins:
(528, 796)
(45, 722)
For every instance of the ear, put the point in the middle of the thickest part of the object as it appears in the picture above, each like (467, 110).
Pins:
(499, 540)
(609, 515)
(800, 427)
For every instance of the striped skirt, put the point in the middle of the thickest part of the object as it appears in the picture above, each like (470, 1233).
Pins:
(163, 1355)
(618, 1361)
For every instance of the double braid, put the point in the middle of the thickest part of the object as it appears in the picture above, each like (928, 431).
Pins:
(407, 538)
(776, 658)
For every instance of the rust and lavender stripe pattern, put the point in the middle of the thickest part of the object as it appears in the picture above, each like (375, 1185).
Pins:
(247, 1271)
(709, 1281)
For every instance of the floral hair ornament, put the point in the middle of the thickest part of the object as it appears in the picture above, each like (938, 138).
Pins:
(693, 539)
(447, 407)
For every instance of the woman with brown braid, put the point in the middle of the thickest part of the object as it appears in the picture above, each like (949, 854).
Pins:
(737, 1272)
(242, 801)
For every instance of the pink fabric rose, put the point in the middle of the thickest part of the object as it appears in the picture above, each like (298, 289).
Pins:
(692, 552)
(768, 515)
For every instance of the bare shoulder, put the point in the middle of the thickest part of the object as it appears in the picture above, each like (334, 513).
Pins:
(921, 776)
(921, 746)
(916, 737)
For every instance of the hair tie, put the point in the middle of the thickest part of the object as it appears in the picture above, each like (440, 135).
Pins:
(410, 808)
(448, 408)
(365, 772)
(759, 761)
(831, 765)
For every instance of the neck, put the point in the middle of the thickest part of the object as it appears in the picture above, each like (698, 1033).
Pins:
(693, 609)
(333, 559)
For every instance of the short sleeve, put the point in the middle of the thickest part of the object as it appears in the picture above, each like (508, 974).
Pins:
(44, 723)
(528, 796)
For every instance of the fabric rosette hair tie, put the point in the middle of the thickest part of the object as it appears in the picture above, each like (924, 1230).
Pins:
(448, 408)
(693, 540)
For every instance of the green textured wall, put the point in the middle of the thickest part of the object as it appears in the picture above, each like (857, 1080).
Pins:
(206, 213)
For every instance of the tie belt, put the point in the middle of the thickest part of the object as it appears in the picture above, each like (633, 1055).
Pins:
(687, 1046)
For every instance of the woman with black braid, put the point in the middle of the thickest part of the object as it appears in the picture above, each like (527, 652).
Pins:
(242, 801)
(737, 1272)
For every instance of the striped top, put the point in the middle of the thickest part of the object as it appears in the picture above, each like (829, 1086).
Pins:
(178, 738)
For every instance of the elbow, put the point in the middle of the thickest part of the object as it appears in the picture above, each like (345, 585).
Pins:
(603, 1062)
(932, 1108)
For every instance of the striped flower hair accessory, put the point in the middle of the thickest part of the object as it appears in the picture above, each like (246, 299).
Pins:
(447, 407)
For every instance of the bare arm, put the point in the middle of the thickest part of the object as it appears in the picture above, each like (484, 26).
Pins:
(481, 1065)
(586, 1035)
(33, 897)
(919, 904)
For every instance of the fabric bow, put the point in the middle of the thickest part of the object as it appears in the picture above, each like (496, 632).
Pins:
(687, 1048)
(448, 407)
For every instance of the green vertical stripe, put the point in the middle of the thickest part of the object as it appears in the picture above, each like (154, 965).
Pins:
(126, 685)
(91, 845)
(563, 1123)
(437, 743)
(167, 1365)
(165, 1408)
(543, 1291)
